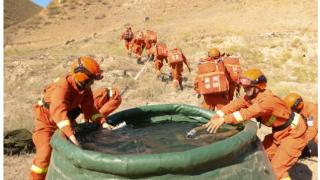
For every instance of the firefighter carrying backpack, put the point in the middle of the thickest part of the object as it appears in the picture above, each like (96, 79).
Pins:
(212, 77)
(17, 142)
(175, 56)
(151, 36)
(161, 51)
(128, 35)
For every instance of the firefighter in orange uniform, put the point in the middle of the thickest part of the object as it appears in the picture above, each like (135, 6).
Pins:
(106, 100)
(150, 41)
(60, 100)
(127, 36)
(287, 140)
(309, 112)
(137, 45)
(160, 54)
(215, 81)
(176, 59)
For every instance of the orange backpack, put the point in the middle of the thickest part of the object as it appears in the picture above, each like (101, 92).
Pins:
(128, 35)
(175, 56)
(212, 77)
(232, 65)
(161, 50)
(151, 36)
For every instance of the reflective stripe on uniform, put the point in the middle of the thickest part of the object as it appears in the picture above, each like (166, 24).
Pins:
(40, 102)
(110, 92)
(63, 123)
(95, 117)
(295, 121)
(220, 113)
(271, 120)
(286, 178)
(38, 170)
(238, 116)
(56, 80)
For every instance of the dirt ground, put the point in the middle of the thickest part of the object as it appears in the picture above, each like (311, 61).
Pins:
(280, 37)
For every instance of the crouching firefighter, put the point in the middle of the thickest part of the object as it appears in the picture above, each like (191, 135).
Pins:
(60, 99)
(107, 100)
(309, 112)
(287, 140)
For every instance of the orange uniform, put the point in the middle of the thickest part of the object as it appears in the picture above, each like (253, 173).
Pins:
(127, 36)
(106, 100)
(149, 48)
(217, 100)
(287, 140)
(137, 47)
(138, 44)
(310, 113)
(150, 41)
(177, 67)
(52, 112)
(160, 54)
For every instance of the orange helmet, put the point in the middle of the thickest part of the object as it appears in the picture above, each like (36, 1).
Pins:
(85, 68)
(254, 77)
(214, 53)
(294, 101)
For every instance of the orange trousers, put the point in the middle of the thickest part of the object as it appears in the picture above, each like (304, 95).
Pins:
(176, 72)
(149, 49)
(215, 101)
(127, 44)
(284, 148)
(43, 132)
(158, 63)
(137, 50)
(41, 138)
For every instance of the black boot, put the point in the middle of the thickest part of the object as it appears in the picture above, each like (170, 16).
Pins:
(139, 61)
(181, 87)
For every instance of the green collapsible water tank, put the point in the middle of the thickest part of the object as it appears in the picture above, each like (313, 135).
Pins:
(238, 157)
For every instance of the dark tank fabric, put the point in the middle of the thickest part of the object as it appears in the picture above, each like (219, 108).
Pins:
(237, 157)
(149, 138)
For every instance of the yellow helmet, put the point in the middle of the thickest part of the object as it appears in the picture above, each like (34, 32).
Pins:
(254, 77)
(214, 53)
(294, 101)
(85, 68)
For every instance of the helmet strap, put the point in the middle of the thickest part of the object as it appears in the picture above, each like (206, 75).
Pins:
(296, 105)
(80, 85)
(256, 90)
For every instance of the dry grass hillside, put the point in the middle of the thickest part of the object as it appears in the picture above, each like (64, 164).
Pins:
(278, 36)
(16, 11)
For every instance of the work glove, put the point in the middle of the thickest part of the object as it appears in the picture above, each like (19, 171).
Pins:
(74, 140)
(107, 126)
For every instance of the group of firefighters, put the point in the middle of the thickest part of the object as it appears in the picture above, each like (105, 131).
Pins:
(219, 76)
(136, 42)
